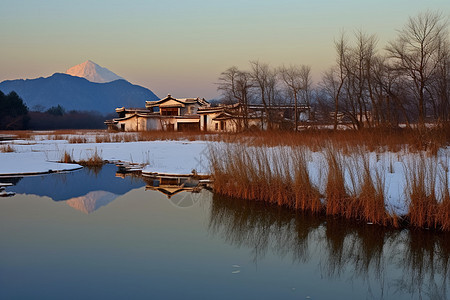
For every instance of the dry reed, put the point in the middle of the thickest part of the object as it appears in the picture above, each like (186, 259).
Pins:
(336, 193)
(67, 158)
(95, 160)
(420, 188)
(7, 148)
(443, 215)
(354, 182)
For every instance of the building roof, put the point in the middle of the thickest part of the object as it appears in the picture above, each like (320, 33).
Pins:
(169, 101)
(132, 110)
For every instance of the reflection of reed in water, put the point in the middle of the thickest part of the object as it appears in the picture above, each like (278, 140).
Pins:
(386, 260)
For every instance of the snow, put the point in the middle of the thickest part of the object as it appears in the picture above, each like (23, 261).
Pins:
(30, 163)
(93, 72)
(182, 157)
(177, 157)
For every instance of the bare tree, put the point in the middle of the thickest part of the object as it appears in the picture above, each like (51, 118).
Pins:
(264, 79)
(441, 82)
(291, 77)
(341, 49)
(236, 86)
(415, 52)
(298, 82)
(305, 74)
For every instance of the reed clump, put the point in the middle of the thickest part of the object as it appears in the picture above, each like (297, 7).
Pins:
(337, 198)
(371, 199)
(421, 182)
(7, 148)
(77, 139)
(67, 158)
(94, 160)
(443, 210)
(307, 196)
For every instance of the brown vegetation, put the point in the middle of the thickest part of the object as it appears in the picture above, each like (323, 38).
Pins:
(7, 148)
(257, 168)
(94, 160)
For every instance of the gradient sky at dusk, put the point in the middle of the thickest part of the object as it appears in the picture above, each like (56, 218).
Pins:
(180, 47)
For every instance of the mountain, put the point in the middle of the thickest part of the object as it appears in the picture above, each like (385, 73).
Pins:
(76, 93)
(93, 72)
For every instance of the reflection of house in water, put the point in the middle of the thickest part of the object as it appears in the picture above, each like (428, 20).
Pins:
(171, 186)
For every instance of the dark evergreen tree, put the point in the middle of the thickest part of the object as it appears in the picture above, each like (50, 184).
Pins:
(56, 110)
(13, 112)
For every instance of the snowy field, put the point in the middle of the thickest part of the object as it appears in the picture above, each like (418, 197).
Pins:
(182, 157)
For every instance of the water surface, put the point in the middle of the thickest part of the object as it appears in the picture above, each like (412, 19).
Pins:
(91, 235)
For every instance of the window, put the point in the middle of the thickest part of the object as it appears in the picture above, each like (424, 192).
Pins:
(122, 127)
(217, 126)
(169, 111)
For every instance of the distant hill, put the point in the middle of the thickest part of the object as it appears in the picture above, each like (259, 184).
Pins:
(76, 93)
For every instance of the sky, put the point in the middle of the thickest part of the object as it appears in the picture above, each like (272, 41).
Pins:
(180, 47)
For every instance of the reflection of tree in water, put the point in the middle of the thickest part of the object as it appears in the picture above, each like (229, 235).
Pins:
(13, 180)
(425, 263)
(387, 260)
(261, 226)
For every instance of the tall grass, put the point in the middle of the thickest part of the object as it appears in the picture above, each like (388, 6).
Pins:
(420, 188)
(338, 201)
(353, 186)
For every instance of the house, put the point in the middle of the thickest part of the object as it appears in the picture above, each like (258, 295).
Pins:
(228, 118)
(166, 114)
(236, 117)
(177, 114)
(195, 114)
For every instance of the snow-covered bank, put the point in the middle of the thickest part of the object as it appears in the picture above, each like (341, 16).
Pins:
(176, 157)
(182, 157)
(30, 163)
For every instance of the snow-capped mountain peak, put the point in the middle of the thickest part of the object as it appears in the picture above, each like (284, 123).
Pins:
(93, 72)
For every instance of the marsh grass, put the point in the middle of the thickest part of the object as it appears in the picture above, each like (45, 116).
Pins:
(94, 160)
(371, 197)
(307, 196)
(421, 189)
(354, 182)
(443, 214)
(378, 140)
(337, 198)
(7, 148)
(77, 139)
(67, 158)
